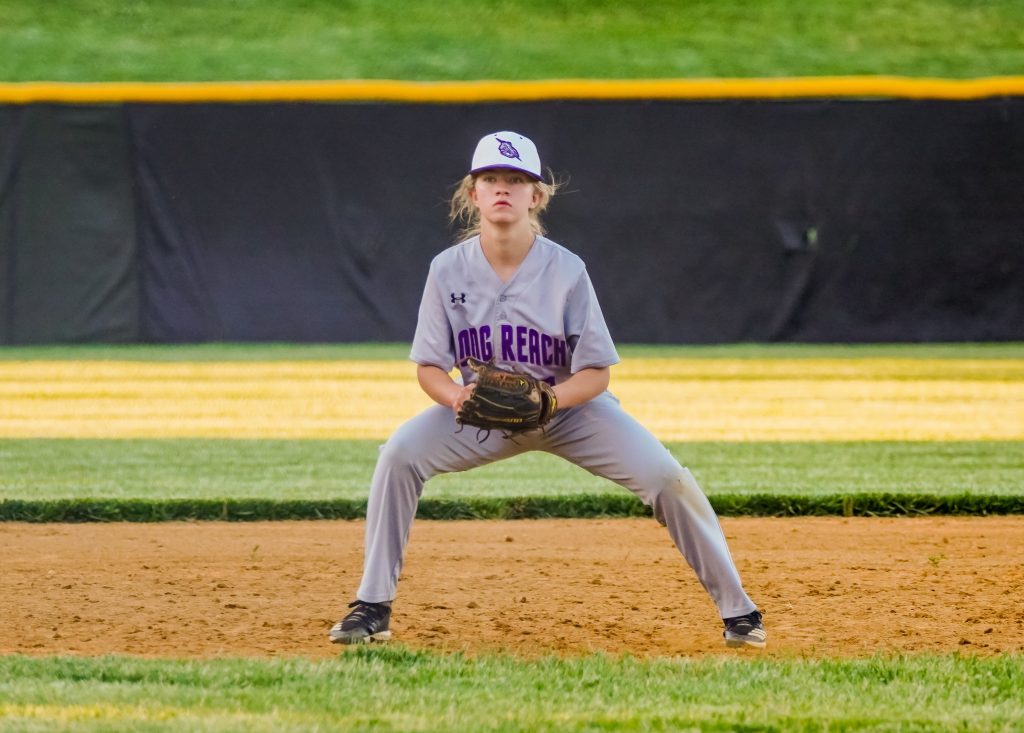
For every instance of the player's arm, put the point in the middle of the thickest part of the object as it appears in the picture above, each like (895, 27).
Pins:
(583, 386)
(442, 388)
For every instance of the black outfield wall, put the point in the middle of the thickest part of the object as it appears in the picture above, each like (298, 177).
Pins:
(700, 221)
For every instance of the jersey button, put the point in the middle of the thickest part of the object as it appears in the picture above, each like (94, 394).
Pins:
(503, 298)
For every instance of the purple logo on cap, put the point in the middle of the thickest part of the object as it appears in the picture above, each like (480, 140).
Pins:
(507, 150)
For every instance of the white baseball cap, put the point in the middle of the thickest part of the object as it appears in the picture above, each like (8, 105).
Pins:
(508, 150)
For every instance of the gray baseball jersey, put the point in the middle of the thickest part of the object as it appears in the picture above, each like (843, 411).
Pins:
(544, 320)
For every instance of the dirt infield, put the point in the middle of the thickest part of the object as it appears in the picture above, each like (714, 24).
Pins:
(828, 586)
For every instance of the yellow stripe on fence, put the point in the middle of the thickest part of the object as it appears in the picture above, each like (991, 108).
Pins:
(678, 399)
(384, 90)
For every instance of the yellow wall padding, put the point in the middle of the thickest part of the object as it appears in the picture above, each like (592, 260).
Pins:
(510, 91)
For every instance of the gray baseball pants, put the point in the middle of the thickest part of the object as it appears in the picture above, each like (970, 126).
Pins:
(598, 436)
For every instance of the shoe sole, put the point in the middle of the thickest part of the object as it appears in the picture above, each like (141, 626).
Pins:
(379, 637)
(740, 643)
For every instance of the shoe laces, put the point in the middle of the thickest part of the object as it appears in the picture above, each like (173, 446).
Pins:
(753, 618)
(366, 613)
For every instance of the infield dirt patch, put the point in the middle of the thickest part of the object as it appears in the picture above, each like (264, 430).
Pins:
(828, 586)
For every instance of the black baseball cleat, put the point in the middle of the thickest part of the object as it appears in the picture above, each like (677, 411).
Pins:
(367, 622)
(745, 631)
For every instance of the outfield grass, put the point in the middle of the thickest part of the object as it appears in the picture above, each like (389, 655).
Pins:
(395, 689)
(748, 398)
(265, 431)
(90, 40)
(318, 470)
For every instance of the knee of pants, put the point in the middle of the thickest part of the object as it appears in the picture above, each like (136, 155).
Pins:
(666, 476)
(671, 477)
(681, 488)
(399, 455)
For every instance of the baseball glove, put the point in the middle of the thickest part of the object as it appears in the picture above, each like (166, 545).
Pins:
(506, 400)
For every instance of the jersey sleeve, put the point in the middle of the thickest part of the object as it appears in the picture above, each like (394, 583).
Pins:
(585, 329)
(433, 343)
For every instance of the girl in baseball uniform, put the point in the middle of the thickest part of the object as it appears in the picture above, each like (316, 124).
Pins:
(507, 293)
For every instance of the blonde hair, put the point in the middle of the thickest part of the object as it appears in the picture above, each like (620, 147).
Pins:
(463, 211)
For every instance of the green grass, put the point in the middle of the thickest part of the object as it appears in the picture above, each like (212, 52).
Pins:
(98, 40)
(158, 480)
(386, 351)
(525, 507)
(394, 689)
(152, 479)
(161, 470)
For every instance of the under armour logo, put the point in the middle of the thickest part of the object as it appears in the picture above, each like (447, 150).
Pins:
(507, 150)
(460, 298)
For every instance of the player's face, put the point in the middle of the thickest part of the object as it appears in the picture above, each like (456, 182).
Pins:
(504, 196)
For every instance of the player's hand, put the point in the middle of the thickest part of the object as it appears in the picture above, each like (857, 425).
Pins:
(461, 396)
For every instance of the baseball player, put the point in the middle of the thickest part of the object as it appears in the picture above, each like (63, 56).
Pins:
(508, 295)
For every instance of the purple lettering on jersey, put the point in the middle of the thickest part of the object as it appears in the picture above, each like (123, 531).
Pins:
(474, 343)
(534, 346)
(486, 350)
(521, 342)
(559, 352)
(518, 344)
(507, 354)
